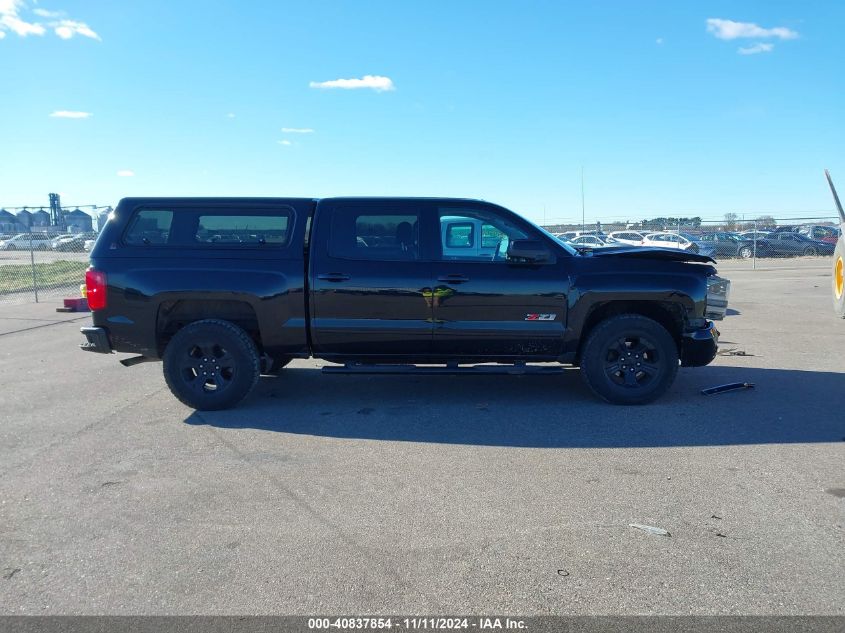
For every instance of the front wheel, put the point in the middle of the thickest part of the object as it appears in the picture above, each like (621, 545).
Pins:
(211, 364)
(811, 251)
(839, 278)
(629, 359)
(745, 252)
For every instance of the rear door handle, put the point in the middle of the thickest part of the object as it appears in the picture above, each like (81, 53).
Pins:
(453, 279)
(334, 277)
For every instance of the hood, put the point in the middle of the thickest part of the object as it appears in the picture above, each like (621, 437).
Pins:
(648, 252)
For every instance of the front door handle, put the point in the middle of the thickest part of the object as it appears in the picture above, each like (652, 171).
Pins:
(453, 279)
(333, 277)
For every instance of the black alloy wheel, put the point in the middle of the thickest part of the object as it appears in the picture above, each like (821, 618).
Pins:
(211, 364)
(629, 359)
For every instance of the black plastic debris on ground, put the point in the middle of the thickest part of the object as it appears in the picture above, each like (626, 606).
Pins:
(731, 386)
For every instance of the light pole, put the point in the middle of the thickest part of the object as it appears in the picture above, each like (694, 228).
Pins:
(583, 223)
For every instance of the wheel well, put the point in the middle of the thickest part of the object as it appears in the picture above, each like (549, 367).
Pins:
(174, 315)
(669, 315)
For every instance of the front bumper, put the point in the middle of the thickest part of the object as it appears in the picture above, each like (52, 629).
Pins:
(699, 347)
(96, 340)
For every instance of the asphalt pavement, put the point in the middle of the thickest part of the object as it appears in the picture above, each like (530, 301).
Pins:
(431, 495)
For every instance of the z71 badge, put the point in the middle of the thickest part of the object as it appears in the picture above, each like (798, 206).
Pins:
(540, 317)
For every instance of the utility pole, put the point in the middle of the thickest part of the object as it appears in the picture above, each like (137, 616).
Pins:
(583, 223)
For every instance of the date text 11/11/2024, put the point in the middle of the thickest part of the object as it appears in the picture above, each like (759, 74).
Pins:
(416, 623)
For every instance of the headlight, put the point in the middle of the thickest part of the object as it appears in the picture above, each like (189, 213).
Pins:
(718, 292)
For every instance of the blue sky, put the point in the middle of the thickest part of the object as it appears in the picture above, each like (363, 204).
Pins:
(673, 108)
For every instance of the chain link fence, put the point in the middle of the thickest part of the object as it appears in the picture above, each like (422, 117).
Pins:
(41, 266)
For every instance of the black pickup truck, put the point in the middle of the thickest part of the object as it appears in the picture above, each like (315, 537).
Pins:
(225, 289)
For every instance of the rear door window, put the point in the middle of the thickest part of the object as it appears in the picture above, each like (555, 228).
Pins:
(375, 234)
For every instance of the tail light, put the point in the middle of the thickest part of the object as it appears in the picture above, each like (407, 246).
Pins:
(95, 284)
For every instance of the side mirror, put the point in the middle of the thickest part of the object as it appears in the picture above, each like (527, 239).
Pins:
(530, 251)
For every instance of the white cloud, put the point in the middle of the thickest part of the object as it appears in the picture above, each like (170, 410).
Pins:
(754, 49)
(70, 114)
(659, 40)
(126, 173)
(13, 23)
(44, 13)
(373, 82)
(286, 143)
(66, 29)
(12, 20)
(231, 115)
(10, 7)
(297, 130)
(730, 30)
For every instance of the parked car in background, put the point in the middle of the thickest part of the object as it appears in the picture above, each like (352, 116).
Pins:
(727, 244)
(26, 241)
(679, 241)
(462, 237)
(821, 232)
(754, 235)
(568, 236)
(73, 243)
(589, 241)
(632, 238)
(785, 228)
(786, 244)
(88, 245)
(59, 239)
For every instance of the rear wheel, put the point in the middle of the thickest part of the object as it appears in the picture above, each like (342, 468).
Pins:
(839, 278)
(746, 252)
(629, 359)
(811, 251)
(211, 364)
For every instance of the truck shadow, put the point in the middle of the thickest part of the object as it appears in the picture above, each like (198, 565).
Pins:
(787, 406)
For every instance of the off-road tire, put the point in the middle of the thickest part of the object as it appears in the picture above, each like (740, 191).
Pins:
(227, 354)
(645, 342)
(838, 281)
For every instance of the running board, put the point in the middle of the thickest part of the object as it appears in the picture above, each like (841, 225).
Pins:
(449, 370)
(136, 360)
